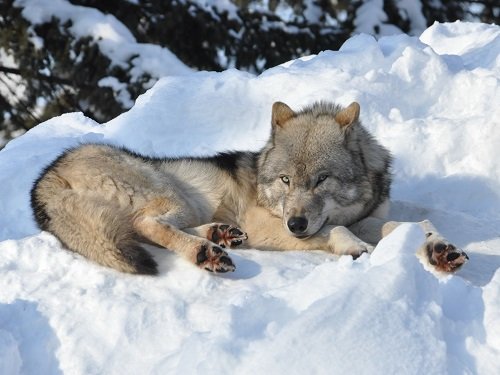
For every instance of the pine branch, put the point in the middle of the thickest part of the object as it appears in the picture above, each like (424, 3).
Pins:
(43, 77)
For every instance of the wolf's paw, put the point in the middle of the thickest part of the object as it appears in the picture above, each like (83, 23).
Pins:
(444, 256)
(214, 259)
(343, 242)
(355, 249)
(359, 249)
(226, 235)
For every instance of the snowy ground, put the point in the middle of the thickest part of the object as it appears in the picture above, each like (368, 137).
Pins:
(433, 101)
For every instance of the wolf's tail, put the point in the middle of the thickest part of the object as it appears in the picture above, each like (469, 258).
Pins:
(91, 227)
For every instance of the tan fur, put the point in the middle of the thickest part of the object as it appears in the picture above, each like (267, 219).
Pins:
(281, 113)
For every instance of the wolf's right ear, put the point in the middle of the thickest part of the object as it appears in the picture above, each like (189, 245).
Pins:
(281, 114)
(348, 116)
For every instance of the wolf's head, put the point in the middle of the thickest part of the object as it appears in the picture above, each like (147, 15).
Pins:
(321, 166)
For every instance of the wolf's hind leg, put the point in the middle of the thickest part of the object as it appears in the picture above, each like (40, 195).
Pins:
(157, 221)
(436, 250)
(99, 230)
(203, 253)
(224, 235)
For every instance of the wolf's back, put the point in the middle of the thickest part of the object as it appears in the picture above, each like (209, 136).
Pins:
(86, 223)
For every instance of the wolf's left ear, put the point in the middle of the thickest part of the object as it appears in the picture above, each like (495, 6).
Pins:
(348, 116)
(281, 114)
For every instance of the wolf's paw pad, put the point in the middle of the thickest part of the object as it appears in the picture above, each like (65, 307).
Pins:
(443, 255)
(212, 258)
(226, 235)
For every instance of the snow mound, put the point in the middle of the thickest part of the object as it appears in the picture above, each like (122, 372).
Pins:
(431, 101)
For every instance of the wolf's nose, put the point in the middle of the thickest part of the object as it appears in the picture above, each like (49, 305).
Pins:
(297, 224)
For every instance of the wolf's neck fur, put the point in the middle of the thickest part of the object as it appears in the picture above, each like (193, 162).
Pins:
(240, 189)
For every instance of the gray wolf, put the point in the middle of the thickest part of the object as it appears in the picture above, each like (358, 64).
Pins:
(321, 182)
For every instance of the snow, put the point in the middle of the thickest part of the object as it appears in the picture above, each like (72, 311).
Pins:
(371, 17)
(220, 5)
(429, 100)
(112, 36)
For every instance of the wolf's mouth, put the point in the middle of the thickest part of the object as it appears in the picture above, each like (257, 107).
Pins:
(324, 222)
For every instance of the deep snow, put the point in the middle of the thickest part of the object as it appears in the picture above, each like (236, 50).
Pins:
(433, 101)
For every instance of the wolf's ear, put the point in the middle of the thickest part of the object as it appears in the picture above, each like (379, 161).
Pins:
(348, 116)
(281, 114)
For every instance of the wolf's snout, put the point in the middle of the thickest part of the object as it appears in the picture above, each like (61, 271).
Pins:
(297, 224)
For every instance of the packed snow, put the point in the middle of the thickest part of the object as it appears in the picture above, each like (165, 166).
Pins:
(433, 101)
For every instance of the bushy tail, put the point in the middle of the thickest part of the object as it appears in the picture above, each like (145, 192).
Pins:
(93, 228)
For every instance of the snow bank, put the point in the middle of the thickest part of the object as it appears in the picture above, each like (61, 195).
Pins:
(429, 100)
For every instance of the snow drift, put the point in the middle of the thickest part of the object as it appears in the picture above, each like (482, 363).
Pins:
(433, 101)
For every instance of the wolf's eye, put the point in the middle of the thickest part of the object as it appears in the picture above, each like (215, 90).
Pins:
(321, 178)
(285, 179)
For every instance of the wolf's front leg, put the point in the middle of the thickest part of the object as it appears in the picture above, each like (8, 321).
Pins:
(343, 241)
(267, 232)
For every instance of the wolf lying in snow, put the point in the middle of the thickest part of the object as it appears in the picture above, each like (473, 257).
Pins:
(321, 182)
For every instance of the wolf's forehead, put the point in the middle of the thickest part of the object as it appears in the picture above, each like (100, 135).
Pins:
(301, 169)
(305, 161)
(314, 132)
(314, 145)
(298, 161)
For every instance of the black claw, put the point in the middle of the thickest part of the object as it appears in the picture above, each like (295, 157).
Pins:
(452, 256)
(428, 234)
(208, 269)
(236, 242)
(465, 255)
